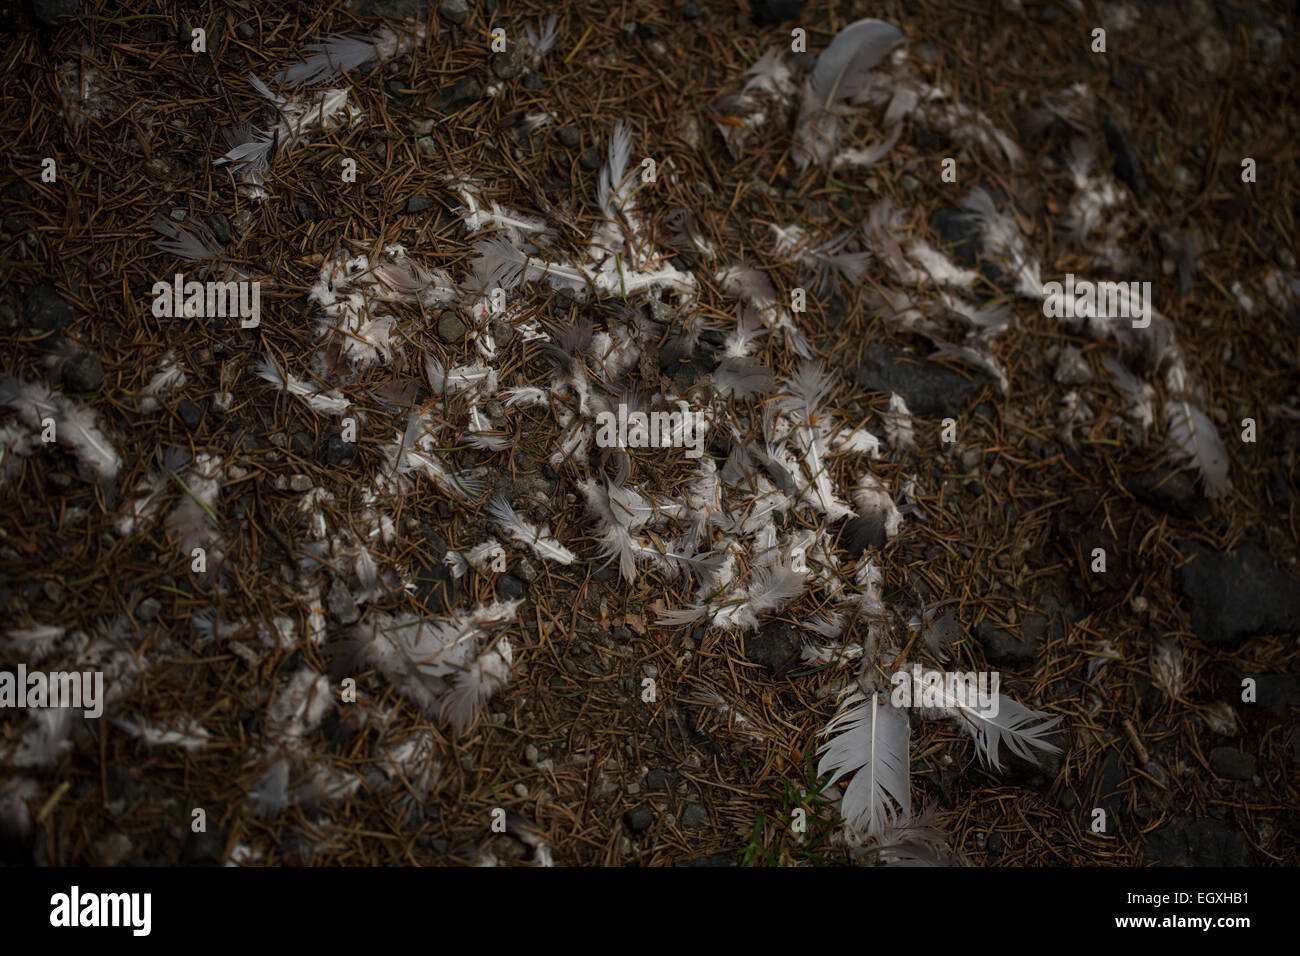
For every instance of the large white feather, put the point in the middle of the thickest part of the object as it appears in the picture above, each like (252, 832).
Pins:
(869, 740)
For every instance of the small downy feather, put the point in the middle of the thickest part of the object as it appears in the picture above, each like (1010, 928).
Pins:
(614, 185)
(539, 42)
(842, 70)
(843, 67)
(250, 149)
(1021, 729)
(1194, 439)
(539, 539)
(869, 740)
(327, 403)
(1167, 666)
(476, 685)
(898, 424)
(189, 239)
(328, 59)
(77, 427)
(742, 377)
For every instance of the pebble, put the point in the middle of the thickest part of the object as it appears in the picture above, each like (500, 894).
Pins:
(148, 609)
(418, 203)
(300, 483)
(454, 11)
(508, 64)
(450, 328)
(460, 94)
(190, 414)
(338, 451)
(590, 159)
(220, 227)
(695, 816)
(569, 136)
(532, 754)
(638, 819)
(521, 790)
(509, 588)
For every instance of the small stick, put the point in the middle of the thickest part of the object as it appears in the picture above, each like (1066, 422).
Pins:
(1141, 751)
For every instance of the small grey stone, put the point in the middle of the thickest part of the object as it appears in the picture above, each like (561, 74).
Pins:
(245, 30)
(454, 11)
(14, 226)
(300, 483)
(691, 11)
(695, 816)
(1072, 368)
(84, 372)
(190, 414)
(243, 219)
(460, 94)
(775, 646)
(533, 81)
(450, 328)
(639, 818)
(1049, 14)
(340, 603)
(179, 215)
(526, 570)
(338, 451)
(220, 227)
(508, 63)
(418, 204)
(1232, 763)
(1002, 649)
(45, 311)
(148, 609)
(19, 191)
(590, 159)
(569, 137)
(659, 779)
(509, 587)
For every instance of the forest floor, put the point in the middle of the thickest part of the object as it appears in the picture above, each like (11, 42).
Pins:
(1144, 662)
